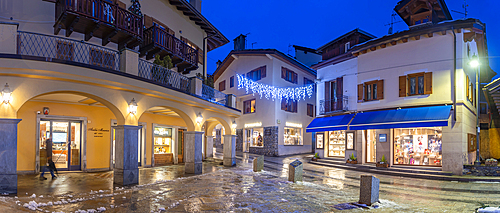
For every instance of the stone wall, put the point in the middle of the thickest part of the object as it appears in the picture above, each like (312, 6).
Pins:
(481, 170)
(270, 143)
(239, 140)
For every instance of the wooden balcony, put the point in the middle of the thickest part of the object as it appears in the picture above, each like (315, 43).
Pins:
(98, 18)
(158, 41)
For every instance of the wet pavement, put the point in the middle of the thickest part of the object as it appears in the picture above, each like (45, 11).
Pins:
(238, 189)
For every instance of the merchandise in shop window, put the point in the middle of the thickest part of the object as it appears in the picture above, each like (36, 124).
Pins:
(162, 140)
(336, 143)
(418, 146)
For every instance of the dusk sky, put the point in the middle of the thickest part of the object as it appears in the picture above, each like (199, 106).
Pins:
(280, 23)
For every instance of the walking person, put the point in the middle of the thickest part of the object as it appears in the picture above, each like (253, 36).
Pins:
(50, 164)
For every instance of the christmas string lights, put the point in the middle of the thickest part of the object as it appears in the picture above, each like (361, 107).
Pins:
(294, 93)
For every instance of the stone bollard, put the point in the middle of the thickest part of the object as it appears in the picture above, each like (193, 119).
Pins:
(368, 189)
(295, 171)
(258, 163)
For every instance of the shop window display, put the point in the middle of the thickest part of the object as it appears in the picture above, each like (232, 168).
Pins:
(293, 136)
(418, 146)
(336, 143)
(255, 137)
(163, 140)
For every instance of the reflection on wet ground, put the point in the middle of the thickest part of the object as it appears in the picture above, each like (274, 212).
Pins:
(241, 190)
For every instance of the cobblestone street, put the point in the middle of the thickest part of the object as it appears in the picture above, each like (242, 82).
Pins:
(241, 190)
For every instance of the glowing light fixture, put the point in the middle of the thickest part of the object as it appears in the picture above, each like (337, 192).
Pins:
(293, 124)
(250, 125)
(199, 119)
(474, 62)
(132, 106)
(6, 94)
(234, 125)
(276, 93)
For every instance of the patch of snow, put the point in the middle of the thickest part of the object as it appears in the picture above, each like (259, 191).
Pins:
(101, 209)
(489, 210)
(33, 196)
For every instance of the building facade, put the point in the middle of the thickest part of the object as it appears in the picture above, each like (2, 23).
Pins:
(92, 87)
(415, 93)
(268, 126)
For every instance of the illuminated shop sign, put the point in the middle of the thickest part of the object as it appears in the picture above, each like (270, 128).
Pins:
(293, 124)
(250, 125)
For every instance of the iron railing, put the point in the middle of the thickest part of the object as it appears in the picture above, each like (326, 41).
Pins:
(53, 47)
(213, 95)
(333, 105)
(161, 38)
(104, 12)
(164, 76)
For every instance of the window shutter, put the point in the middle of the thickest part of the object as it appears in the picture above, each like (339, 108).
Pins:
(295, 78)
(263, 72)
(148, 21)
(339, 93)
(380, 89)
(360, 93)
(467, 87)
(283, 73)
(428, 83)
(402, 86)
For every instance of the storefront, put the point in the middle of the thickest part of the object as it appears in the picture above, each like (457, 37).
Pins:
(418, 146)
(331, 135)
(163, 145)
(292, 136)
(336, 143)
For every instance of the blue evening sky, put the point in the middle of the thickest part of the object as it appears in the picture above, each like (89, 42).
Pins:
(280, 23)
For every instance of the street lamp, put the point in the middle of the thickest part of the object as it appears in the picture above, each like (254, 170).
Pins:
(199, 119)
(132, 106)
(234, 125)
(474, 63)
(6, 94)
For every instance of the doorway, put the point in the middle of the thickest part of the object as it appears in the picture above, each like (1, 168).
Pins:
(180, 146)
(371, 146)
(141, 154)
(67, 141)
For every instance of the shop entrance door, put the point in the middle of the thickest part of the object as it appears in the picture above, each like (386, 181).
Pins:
(66, 143)
(371, 146)
(180, 145)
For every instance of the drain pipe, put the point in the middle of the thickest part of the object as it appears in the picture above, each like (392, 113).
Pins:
(454, 74)
(205, 56)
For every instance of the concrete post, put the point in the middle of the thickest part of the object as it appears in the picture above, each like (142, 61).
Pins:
(229, 156)
(210, 147)
(126, 170)
(231, 100)
(8, 37)
(295, 170)
(129, 61)
(196, 86)
(8, 155)
(192, 152)
(368, 189)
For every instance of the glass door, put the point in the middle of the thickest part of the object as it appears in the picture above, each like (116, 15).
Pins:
(371, 146)
(66, 143)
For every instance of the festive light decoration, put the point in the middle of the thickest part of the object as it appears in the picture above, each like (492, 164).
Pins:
(294, 93)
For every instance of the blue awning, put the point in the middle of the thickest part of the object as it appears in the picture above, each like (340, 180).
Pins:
(403, 118)
(333, 123)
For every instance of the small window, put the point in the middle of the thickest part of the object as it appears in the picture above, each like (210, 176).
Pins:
(289, 75)
(257, 74)
(231, 82)
(289, 105)
(347, 46)
(310, 110)
(249, 106)
(371, 91)
(222, 85)
(416, 84)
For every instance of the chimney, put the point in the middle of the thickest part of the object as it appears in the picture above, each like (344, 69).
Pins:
(196, 4)
(240, 42)
(218, 63)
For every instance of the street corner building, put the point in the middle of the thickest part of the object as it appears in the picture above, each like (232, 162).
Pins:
(409, 96)
(268, 125)
(86, 79)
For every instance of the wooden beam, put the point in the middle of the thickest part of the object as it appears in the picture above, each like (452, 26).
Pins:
(417, 37)
(89, 34)
(383, 45)
(459, 30)
(107, 38)
(373, 48)
(443, 32)
(58, 24)
(364, 51)
(394, 43)
(405, 40)
(69, 29)
(430, 35)
(125, 42)
(355, 54)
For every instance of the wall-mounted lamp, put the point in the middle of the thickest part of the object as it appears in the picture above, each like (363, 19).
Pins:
(6, 94)
(234, 125)
(474, 62)
(199, 119)
(132, 106)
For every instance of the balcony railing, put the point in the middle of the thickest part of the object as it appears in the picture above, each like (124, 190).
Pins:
(156, 37)
(59, 48)
(327, 106)
(213, 95)
(164, 76)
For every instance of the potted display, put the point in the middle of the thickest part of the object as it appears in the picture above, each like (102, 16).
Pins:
(383, 162)
(352, 159)
(491, 162)
(316, 157)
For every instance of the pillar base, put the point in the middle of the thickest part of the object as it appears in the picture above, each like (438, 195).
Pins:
(8, 184)
(193, 168)
(126, 177)
(229, 161)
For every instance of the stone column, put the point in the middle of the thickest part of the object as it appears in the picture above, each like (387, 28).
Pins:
(129, 61)
(126, 170)
(8, 37)
(8, 155)
(229, 150)
(210, 147)
(192, 152)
